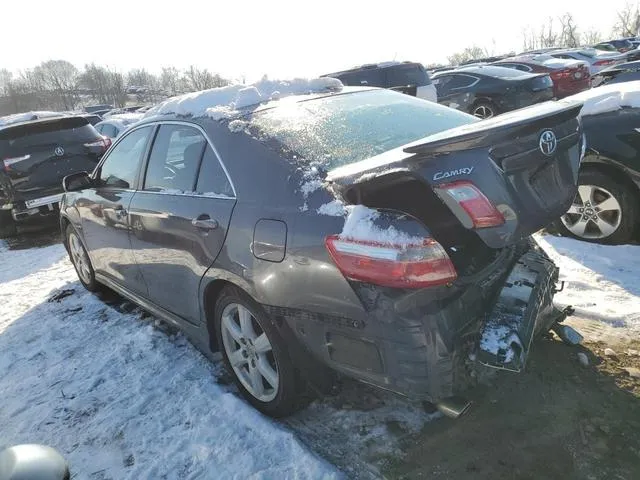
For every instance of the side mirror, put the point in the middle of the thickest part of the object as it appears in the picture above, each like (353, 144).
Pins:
(35, 462)
(76, 181)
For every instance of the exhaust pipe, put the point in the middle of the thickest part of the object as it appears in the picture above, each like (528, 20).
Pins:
(453, 407)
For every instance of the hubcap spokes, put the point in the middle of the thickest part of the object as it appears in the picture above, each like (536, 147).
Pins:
(250, 352)
(595, 213)
(483, 112)
(79, 258)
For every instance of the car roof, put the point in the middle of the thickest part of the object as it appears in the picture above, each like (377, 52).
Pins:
(373, 66)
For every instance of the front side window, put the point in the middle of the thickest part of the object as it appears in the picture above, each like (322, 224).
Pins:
(175, 158)
(120, 168)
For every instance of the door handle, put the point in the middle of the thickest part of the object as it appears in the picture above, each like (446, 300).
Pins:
(203, 222)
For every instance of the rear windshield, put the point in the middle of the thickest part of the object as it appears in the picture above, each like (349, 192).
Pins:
(343, 129)
(499, 72)
(407, 74)
(64, 131)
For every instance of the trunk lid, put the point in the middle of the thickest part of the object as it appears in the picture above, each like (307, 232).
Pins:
(36, 156)
(503, 157)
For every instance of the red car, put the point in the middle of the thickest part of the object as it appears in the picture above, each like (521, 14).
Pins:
(568, 76)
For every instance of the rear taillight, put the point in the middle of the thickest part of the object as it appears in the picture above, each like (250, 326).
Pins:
(480, 210)
(104, 143)
(601, 63)
(560, 74)
(416, 265)
(7, 162)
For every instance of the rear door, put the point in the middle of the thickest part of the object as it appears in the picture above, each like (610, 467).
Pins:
(180, 217)
(37, 156)
(453, 90)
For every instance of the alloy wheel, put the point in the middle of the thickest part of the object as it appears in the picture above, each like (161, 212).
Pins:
(79, 258)
(483, 111)
(249, 352)
(594, 214)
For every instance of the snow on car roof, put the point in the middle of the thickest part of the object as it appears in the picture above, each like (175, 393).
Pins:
(224, 102)
(608, 98)
(27, 117)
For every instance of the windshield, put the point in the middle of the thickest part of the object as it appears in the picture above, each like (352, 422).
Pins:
(343, 129)
(499, 72)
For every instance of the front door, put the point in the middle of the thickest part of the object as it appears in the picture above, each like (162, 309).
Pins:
(180, 217)
(104, 211)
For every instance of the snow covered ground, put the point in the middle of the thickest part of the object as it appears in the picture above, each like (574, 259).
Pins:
(122, 397)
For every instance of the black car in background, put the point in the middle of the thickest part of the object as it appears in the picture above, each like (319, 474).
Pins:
(486, 91)
(624, 72)
(607, 206)
(34, 158)
(406, 77)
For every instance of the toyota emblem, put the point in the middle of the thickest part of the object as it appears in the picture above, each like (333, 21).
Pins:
(548, 142)
(59, 151)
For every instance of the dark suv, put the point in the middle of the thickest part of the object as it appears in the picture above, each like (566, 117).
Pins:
(354, 230)
(406, 77)
(34, 158)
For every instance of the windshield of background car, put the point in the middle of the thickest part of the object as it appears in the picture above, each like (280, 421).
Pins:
(407, 74)
(498, 72)
(344, 129)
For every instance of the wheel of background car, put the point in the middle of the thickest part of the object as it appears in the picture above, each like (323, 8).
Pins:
(255, 354)
(484, 110)
(80, 260)
(8, 227)
(603, 211)
(172, 173)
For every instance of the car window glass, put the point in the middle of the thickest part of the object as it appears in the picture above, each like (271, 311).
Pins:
(212, 180)
(109, 130)
(407, 74)
(175, 158)
(460, 81)
(121, 165)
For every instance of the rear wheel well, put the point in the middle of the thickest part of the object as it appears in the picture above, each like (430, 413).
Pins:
(211, 294)
(616, 174)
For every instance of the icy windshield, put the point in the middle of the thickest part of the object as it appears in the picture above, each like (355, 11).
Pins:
(344, 129)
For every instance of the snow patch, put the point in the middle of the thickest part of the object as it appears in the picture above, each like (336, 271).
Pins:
(334, 208)
(28, 117)
(223, 102)
(608, 98)
(237, 126)
(360, 226)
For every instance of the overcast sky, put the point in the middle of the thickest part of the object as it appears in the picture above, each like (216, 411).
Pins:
(282, 38)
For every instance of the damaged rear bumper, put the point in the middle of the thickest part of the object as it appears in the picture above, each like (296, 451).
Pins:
(524, 308)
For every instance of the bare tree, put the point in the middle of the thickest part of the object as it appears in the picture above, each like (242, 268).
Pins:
(591, 37)
(5, 80)
(103, 85)
(469, 53)
(171, 81)
(197, 79)
(59, 78)
(570, 37)
(628, 21)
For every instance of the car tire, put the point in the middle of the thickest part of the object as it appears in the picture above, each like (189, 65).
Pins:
(80, 260)
(256, 366)
(8, 227)
(615, 225)
(484, 109)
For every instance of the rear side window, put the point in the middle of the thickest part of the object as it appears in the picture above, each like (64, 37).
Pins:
(406, 74)
(120, 167)
(343, 129)
(175, 158)
(24, 138)
(109, 130)
(212, 180)
(368, 77)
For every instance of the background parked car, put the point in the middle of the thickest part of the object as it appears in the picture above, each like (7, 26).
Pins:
(486, 91)
(621, 73)
(406, 77)
(35, 156)
(621, 45)
(114, 125)
(569, 76)
(596, 59)
(98, 108)
(607, 207)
